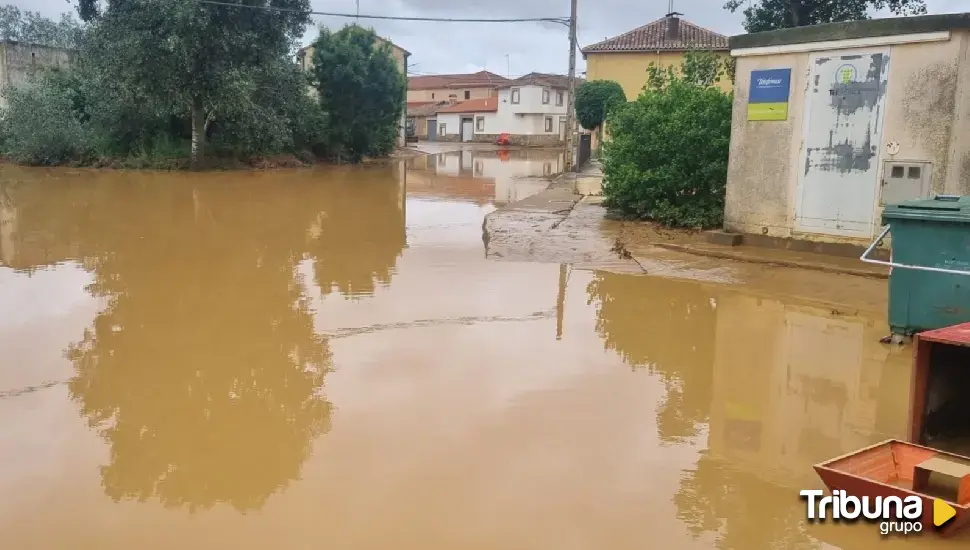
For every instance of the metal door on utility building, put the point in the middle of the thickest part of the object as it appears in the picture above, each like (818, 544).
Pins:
(844, 106)
(432, 130)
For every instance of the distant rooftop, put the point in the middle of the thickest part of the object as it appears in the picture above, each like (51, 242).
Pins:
(472, 106)
(481, 79)
(543, 79)
(670, 33)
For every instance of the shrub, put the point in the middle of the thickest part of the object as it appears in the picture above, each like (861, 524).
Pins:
(40, 125)
(667, 155)
(595, 99)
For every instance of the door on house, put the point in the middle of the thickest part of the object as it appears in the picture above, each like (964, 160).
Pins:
(844, 106)
(467, 129)
(432, 130)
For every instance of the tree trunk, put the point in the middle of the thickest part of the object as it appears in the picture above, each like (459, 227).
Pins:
(198, 132)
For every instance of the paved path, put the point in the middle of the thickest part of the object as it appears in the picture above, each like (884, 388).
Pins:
(563, 225)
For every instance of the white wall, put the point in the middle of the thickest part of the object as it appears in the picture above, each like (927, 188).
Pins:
(452, 123)
(527, 116)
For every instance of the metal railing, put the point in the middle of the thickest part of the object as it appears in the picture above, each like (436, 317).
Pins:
(893, 264)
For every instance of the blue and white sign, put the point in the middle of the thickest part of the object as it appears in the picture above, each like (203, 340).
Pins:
(768, 94)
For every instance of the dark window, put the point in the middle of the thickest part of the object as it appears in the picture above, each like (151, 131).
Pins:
(559, 98)
(432, 95)
(548, 123)
(468, 94)
(897, 172)
(914, 172)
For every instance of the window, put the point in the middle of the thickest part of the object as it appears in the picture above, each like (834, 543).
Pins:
(914, 172)
(441, 129)
(548, 123)
(545, 97)
(468, 94)
(515, 96)
(897, 171)
(559, 98)
(480, 124)
(432, 95)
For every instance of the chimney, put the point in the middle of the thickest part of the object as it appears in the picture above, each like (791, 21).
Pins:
(673, 26)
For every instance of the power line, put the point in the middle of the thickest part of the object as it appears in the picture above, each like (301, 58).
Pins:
(560, 20)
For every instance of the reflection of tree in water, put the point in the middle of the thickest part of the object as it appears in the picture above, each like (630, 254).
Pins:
(356, 240)
(742, 508)
(203, 372)
(666, 326)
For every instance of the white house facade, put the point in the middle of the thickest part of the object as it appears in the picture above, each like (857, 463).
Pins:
(531, 110)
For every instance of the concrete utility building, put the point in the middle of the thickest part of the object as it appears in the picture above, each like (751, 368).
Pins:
(832, 122)
(18, 60)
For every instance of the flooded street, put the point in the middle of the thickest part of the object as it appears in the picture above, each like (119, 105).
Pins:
(326, 358)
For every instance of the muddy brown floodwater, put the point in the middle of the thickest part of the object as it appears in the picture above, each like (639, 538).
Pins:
(325, 359)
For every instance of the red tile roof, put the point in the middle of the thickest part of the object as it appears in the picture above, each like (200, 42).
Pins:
(481, 79)
(473, 106)
(654, 36)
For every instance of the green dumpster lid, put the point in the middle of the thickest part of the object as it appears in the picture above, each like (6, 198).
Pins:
(953, 208)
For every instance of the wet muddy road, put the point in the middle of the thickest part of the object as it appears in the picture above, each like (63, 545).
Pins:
(326, 358)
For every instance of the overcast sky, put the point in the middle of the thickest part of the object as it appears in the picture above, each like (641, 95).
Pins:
(460, 47)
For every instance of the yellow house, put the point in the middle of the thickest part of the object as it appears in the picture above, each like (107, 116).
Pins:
(625, 58)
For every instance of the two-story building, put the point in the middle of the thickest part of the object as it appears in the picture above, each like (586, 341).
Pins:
(531, 110)
(454, 87)
(664, 42)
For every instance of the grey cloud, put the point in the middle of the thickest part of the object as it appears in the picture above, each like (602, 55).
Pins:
(461, 47)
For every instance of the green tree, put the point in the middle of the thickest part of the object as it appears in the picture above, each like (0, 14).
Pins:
(40, 125)
(667, 155)
(31, 27)
(766, 15)
(361, 87)
(199, 58)
(595, 99)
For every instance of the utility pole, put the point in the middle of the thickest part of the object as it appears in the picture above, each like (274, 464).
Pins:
(570, 101)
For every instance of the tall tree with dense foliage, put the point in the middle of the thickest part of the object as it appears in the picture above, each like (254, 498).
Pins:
(766, 15)
(197, 57)
(361, 87)
(33, 28)
(668, 151)
(595, 99)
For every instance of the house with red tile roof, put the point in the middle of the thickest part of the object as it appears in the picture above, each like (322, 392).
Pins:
(625, 58)
(530, 109)
(454, 87)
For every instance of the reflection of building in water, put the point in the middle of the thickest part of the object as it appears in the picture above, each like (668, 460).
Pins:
(8, 228)
(29, 236)
(796, 385)
(511, 174)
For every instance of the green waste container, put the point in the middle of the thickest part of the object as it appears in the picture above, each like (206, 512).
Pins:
(929, 284)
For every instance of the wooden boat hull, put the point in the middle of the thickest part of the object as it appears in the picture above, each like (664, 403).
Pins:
(858, 474)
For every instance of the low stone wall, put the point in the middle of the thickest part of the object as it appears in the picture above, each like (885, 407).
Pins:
(520, 140)
(448, 138)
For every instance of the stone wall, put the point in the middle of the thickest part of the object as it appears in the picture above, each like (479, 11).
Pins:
(546, 140)
(19, 60)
